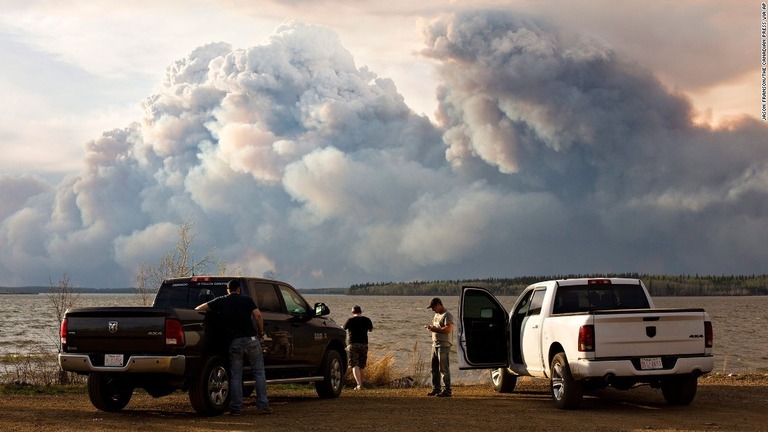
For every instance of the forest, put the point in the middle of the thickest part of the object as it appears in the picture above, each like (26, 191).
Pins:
(658, 285)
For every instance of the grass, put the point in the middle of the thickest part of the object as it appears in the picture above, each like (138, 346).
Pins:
(35, 369)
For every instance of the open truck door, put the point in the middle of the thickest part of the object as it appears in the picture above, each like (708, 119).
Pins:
(483, 334)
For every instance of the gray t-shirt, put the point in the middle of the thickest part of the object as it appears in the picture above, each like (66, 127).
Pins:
(442, 339)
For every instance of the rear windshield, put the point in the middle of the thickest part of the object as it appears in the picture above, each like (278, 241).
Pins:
(582, 298)
(188, 295)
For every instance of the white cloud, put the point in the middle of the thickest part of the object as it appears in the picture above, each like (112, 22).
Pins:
(553, 153)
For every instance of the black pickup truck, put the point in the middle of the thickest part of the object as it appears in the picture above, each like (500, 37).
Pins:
(170, 346)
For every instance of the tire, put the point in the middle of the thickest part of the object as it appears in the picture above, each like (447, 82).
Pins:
(503, 381)
(108, 393)
(333, 374)
(209, 392)
(566, 392)
(679, 390)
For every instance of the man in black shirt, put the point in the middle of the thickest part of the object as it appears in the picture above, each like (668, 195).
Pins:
(235, 312)
(358, 327)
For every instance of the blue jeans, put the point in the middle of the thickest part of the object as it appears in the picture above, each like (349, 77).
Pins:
(441, 369)
(238, 349)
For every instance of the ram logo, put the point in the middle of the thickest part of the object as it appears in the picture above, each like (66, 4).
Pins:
(650, 331)
(112, 326)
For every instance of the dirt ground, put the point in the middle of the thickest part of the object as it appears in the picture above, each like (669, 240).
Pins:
(723, 403)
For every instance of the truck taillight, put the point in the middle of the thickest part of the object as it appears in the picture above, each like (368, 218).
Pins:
(709, 335)
(587, 338)
(200, 279)
(174, 334)
(599, 282)
(63, 334)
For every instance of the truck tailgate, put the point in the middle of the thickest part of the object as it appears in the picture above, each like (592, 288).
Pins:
(119, 330)
(651, 332)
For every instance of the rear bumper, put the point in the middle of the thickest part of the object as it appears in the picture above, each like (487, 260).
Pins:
(174, 365)
(584, 369)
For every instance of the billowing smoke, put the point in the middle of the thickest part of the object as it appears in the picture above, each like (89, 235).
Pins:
(553, 154)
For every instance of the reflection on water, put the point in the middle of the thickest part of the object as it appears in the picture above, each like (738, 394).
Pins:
(740, 325)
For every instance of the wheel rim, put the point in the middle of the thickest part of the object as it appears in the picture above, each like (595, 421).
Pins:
(218, 385)
(557, 381)
(335, 374)
(496, 377)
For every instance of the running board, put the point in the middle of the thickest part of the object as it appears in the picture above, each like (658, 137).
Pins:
(288, 380)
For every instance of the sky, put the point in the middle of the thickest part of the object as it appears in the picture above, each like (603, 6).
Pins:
(335, 142)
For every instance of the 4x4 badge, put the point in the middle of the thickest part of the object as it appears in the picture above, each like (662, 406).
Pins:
(113, 326)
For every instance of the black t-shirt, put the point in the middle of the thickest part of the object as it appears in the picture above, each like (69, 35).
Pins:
(358, 327)
(234, 311)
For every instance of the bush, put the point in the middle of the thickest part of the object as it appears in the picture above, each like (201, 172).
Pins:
(35, 369)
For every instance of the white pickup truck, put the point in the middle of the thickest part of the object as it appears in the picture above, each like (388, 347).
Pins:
(585, 334)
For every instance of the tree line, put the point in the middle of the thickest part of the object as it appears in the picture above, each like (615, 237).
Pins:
(658, 285)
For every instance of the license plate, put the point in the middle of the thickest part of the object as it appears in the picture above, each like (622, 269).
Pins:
(113, 359)
(651, 363)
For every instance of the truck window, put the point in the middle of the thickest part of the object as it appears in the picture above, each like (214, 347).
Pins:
(188, 295)
(479, 306)
(536, 302)
(630, 297)
(583, 298)
(567, 300)
(266, 296)
(293, 301)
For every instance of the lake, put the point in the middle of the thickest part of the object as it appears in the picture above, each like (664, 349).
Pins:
(740, 324)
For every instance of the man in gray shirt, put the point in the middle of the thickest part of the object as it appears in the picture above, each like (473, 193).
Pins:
(442, 336)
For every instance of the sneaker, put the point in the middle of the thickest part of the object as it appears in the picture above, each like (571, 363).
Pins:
(359, 388)
(433, 393)
(443, 394)
(264, 411)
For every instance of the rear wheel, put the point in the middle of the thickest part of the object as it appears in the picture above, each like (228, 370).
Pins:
(107, 392)
(503, 381)
(333, 373)
(566, 392)
(679, 390)
(209, 392)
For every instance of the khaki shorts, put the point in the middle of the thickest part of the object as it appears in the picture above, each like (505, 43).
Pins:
(358, 355)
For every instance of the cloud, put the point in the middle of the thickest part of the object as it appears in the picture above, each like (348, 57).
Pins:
(553, 153)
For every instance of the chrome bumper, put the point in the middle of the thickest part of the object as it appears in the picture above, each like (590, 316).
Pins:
(173, 365)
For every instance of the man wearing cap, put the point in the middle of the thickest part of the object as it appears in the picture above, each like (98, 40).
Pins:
(442, 335)
(358, 327)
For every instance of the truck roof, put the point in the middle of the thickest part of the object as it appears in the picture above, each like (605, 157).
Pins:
(591, 281)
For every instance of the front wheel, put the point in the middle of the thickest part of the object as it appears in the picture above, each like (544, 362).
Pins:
(333, 374)
(503, 381)
(679, 390)
(209, 392)
(108, 393)
(566, 392)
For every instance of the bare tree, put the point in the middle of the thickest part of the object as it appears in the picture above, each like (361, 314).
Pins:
(178, 263)
(61, 297)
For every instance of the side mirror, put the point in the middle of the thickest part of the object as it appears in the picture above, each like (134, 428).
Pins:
(321, 309)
